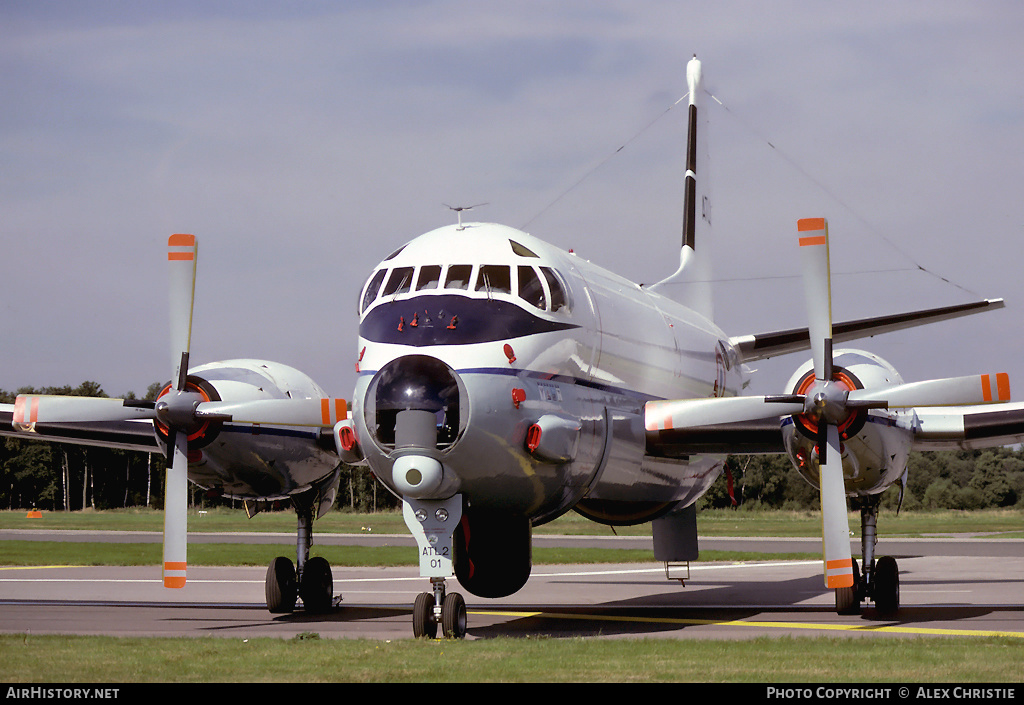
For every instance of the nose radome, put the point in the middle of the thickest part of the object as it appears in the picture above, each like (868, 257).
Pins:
(415, 383)
(416, 414)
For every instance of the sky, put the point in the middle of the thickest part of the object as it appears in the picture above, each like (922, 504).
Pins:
(303, 142)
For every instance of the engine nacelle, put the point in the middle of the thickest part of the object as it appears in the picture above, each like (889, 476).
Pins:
(251, 460)
(875, 444)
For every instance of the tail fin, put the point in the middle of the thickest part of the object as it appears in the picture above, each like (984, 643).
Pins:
(691, 283)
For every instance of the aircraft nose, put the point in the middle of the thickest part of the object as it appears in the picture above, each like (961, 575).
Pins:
(415, 415)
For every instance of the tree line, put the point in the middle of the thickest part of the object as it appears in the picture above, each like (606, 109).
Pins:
(68, 477)
(960, 479)
(62, 476)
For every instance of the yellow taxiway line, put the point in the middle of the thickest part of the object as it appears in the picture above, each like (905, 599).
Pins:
(764, 625)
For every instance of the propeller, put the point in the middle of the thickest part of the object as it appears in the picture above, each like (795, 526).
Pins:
(179, 411)
(830, 402)
(823, 402)
(826, 402)
(177, 408)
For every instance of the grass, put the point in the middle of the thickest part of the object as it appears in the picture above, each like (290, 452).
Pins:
(41, 553)
(309, 659)
(1009, 523)
(1002, 523)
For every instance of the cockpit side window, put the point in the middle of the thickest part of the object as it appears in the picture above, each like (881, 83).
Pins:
(559, 299)
(395, 253)
(522, 250)
(530, 287)
(429, 278)
(494, 279)
(372, 288)
(458, 276)
(399, 282)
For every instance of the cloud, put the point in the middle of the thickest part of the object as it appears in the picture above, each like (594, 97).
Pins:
(302, 143)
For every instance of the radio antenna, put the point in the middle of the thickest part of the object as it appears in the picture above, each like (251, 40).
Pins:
(459, 209)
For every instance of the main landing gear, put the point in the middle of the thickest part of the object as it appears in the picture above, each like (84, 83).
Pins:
(880, 581)
(311, 579)
(433, 523)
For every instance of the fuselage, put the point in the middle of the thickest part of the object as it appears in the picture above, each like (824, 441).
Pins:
(501, 336)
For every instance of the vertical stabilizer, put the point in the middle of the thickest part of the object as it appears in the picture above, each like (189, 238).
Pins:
(691, 283)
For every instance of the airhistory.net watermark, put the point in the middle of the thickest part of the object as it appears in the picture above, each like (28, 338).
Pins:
(56, 693)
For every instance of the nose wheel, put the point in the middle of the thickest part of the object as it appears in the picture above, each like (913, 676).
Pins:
(432, 523)
(449, 612)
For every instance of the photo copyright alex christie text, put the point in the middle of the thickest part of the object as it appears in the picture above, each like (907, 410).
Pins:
(925, 692)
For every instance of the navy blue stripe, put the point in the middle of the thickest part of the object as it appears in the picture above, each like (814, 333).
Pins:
(449, 319)
(547, 377)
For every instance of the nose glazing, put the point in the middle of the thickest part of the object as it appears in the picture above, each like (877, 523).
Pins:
(415, 383)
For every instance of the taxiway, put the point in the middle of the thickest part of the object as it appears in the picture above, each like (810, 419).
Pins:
(972, 587)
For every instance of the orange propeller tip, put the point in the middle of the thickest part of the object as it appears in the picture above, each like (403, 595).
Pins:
(174, 574)
(807, 224)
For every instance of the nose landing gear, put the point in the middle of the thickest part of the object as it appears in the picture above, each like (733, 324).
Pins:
(439, 607)
(432, 523)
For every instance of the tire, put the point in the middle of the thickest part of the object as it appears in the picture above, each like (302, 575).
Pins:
(887, 586)
(317, 588)
(280, 588)
(453, 616)
(423, 623)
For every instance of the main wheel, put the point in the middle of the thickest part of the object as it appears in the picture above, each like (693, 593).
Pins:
(317, 588)
(280, 588)
(423, 622)
(453, 616)
(848, 599)
(887, 585)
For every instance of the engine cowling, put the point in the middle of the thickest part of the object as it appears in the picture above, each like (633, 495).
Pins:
(244, 460)
(875, 443)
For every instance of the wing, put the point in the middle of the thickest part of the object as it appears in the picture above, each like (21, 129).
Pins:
(757, 437)
(954, 428)
(765, 345)
(935, 428)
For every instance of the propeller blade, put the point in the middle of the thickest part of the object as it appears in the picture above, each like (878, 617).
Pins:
(182, 251)
(42, 408)
(175, 513)
(954, 391)
(817, 291)
(834, 518)
(692, 413)
(279, 412)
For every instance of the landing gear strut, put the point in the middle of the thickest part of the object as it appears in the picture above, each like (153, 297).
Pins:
(432, 523)
(309, 578)
(880, 580)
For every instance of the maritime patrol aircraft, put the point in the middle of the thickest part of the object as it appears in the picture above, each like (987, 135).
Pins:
(503, 382)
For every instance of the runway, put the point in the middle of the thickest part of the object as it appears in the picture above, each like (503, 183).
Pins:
(946, 589)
